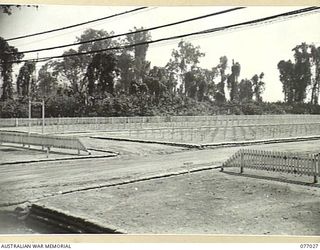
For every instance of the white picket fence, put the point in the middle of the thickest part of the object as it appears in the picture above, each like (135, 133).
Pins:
(286, 162)
(45, 141)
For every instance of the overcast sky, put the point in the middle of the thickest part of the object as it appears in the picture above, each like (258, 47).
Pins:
(258, 49)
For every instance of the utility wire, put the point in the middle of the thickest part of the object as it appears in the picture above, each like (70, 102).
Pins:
(133, 32)
(67, 32)
(235, 29)
(213, 30)
(76, 25)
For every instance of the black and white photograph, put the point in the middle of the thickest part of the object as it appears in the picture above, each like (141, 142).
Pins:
(159, 120)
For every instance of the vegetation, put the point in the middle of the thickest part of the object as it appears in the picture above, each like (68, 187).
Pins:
(9, 8)
(302, 75)
(123, 83)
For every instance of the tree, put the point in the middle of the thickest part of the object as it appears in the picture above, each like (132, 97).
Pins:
(126, 68)
(210, 89)
(245, 90)
(199, 84)
(140, 65)
(287, 78)
(233, 81)
(222, 66)
(315, 65)
(25, 80)
(172, 82)
(8, 54)
(155, 81)
(302, 71)
(7, 9)
(206, 84)
(138, 88)
(47, 81)
(91, 34)
(71, 70)
(101, 73)
(258, 86)
(184, 60)
(296, 77)
(190, 83)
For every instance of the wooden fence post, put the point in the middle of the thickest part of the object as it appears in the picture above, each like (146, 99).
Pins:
(48, 150)
(316, 163)
(241, 160)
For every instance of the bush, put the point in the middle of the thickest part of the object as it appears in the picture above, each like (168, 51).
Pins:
(251, 109)
(65, 105)
(13, 108)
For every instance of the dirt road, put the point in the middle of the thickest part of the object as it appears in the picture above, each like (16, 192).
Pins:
(35, 180)
(47, 183)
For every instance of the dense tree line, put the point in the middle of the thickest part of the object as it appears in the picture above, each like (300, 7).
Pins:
(122, 82)
(302, 76)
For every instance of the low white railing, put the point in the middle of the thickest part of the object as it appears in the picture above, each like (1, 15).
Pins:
(47, 141)
(217, 134)
(173, 121)
(292, 163)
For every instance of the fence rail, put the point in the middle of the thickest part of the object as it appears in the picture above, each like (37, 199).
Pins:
(174, 120)
(195, 129)
(48, 141)
(292, 163)
(216, 134)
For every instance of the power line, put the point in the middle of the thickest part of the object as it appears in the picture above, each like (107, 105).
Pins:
(230, 30)
(213, 30)
(270, 18)
(79, 29)
(134, 32)
(76, 25)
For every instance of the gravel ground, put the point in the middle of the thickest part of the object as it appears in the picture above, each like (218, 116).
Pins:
(207, 202)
